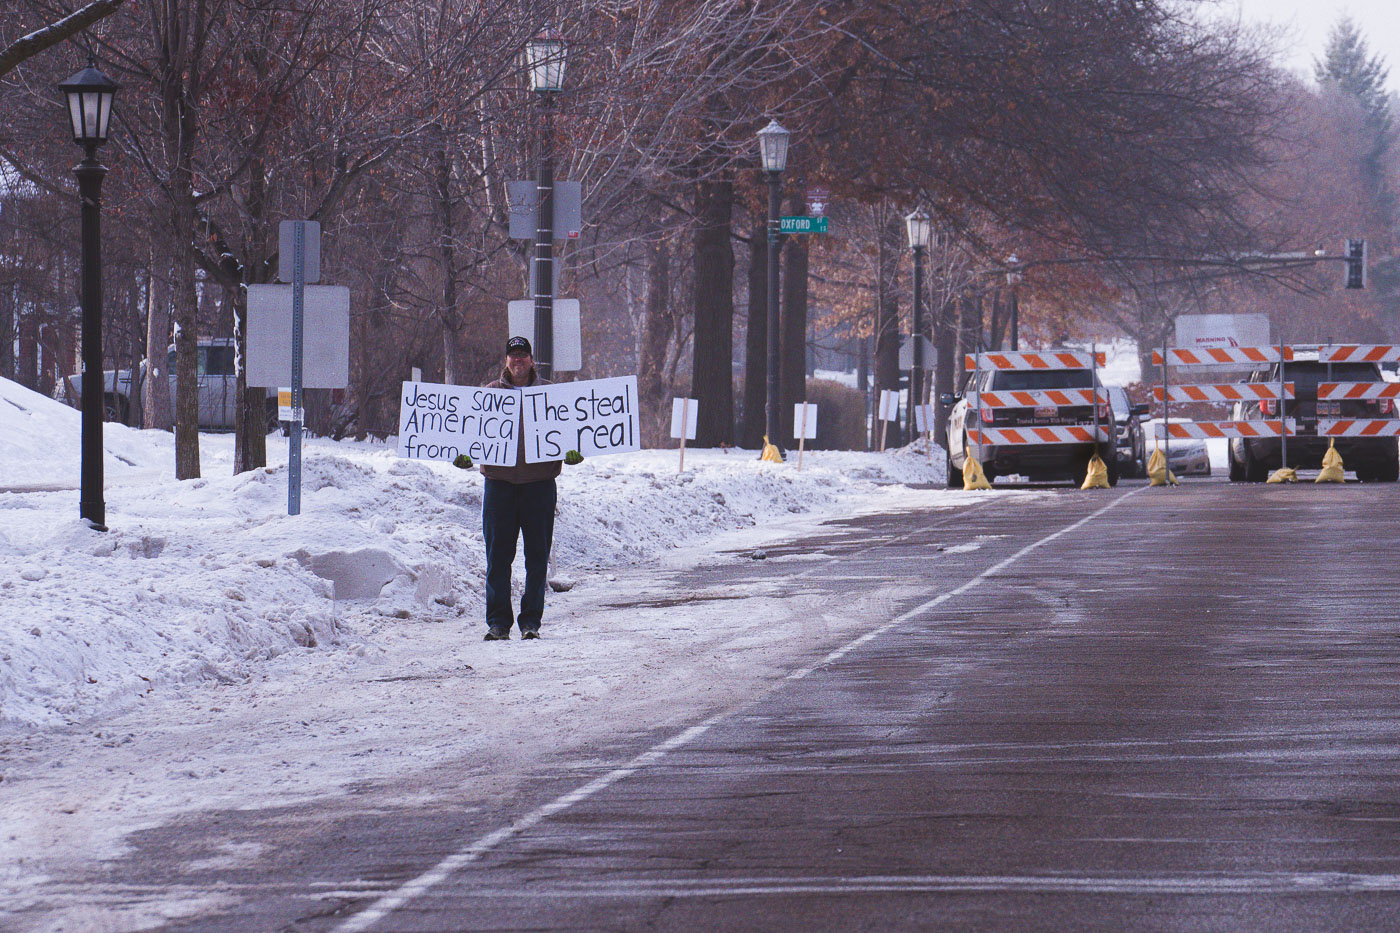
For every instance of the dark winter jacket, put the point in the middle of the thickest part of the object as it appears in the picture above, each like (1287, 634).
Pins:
(522, 472)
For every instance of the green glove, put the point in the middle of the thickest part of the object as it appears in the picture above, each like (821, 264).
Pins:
(463, 462)
(573, 458)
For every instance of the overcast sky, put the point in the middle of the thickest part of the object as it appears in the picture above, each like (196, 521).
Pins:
(1308, 23)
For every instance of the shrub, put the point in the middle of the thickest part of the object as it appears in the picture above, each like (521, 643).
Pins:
(840, 416)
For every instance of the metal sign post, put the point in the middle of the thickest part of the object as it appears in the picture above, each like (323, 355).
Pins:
(1282, 411)
(1094, 388)
(298, 413)
(1166, 446)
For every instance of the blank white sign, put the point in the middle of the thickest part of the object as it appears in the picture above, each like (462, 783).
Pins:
(811, 425)
(325, 352)
(923, 418)
(691, 408)
(568, 339)
(889, 405)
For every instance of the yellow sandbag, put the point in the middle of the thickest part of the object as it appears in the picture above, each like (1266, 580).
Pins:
(770, 452)
(973, 477)
(1331, 466)
(1096, 477)
(1157, 472)
(1283, 475)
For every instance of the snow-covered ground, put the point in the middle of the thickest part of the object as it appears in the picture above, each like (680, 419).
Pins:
(210, 651)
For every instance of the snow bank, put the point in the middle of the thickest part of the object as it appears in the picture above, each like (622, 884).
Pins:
(205, 579)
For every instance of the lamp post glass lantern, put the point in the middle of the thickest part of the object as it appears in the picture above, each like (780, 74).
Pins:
(773, 153)
(546, 56)
(90, 94)
(773, 147)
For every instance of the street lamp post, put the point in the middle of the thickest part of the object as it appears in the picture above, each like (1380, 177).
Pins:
(773, 153)
(546, 57)
(1013, 278)
(919, 228)
(90, 94)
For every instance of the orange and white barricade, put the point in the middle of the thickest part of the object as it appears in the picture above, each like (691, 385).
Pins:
(1222, 356)
(1048, 434)
(1042, 359)
(1201, 430)
(1041, 398)
(1358, 427)
(1224, 392)
(1358, 353)
(1354, 391)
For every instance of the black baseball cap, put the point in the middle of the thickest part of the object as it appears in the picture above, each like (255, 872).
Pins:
(518, 345)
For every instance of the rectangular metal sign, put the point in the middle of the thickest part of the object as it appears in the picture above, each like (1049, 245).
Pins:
(326, 352)
(906, 353)
(568, 209)
(1212, 331)
(286, 250)
(568, 338)
(803, 224)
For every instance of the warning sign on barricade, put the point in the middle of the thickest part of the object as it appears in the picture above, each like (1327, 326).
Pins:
(1364, 391)
(1049, 359)
(1340, 427)
(1223, 356)
(1224, 392)
(1200, 430)
(1060, 398)
(1352, 353)
(1060, 434)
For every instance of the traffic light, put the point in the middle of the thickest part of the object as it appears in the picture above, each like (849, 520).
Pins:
(1356, 263)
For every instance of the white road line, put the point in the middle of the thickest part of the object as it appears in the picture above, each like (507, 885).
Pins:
(1203, 883)
(420, 885)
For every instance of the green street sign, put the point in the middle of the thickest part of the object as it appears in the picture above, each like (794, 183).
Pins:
(803, 225)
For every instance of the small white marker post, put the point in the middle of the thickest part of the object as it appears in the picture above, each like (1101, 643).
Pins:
(889, 411)
(921, 421)
(684, 420)
(804, 420)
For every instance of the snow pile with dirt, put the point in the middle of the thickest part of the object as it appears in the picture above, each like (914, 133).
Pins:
(204, 580)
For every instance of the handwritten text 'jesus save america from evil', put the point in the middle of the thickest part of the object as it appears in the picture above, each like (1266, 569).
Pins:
(439, 422)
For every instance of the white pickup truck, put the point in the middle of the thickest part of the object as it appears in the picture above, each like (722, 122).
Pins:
(122, 393)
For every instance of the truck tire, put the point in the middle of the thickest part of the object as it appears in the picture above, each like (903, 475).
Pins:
(1236, 468)
(1254, 470)
(954, 480)
(115, 408)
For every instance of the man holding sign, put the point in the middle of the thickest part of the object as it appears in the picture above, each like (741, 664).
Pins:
(518, 501)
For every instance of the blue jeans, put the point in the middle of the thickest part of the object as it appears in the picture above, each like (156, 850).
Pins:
(508, 511)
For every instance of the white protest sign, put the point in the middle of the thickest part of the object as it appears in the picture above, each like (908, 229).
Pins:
(889, 405)
(689, 410)
(804, 420)
(598, 416)
(439, 422)
(923, 418)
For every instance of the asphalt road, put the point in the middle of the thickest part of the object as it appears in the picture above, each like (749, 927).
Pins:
(1138, 709)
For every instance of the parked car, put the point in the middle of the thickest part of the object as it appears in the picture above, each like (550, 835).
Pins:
(1185, 456)
(1125, 416)
(214, 369)
(1034, 461)
(1375, 459)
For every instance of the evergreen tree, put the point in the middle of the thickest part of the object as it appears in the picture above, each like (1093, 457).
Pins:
(1348, 68)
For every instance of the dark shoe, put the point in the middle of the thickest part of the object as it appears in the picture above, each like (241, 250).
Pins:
(494, 635)
(529, 633)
